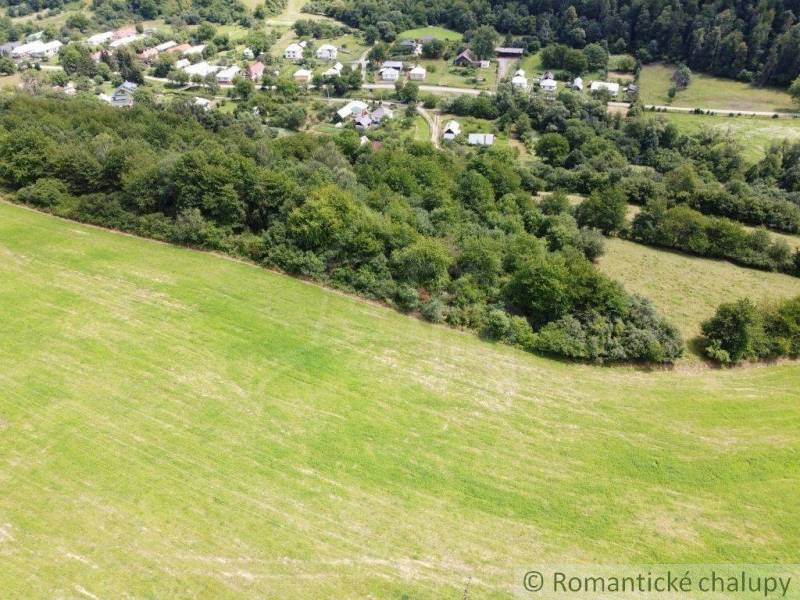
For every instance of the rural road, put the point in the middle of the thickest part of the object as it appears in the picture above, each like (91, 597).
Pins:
(441, 89)
(433, 123)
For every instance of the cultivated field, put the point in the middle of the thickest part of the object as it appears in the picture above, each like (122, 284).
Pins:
(706, 91)
(755, 134)
(175, 424)
(688, 289)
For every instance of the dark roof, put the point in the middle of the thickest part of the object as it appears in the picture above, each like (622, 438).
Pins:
(466, 55)
(505, 50)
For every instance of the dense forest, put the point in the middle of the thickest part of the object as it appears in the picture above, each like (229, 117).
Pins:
(750, 40)
(457, 239)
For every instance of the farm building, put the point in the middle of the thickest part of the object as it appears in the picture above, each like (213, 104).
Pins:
(611, 88)
(577, 84)
(505, 52)
(334, 71)
(352, 109)
(548, 84)
(480, 139)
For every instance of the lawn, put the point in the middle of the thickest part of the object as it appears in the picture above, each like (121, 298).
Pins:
(706, 91)
(442, 72)
(688, 289)
(176, 424)
(437, 32)
(755, 134)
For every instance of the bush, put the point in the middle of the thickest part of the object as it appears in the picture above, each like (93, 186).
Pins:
(45, 193)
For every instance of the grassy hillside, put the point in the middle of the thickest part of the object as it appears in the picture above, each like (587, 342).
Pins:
(180, 425)
(686, 288)
(755, 134)
(706, 91)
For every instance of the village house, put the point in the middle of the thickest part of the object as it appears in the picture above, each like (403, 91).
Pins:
(201, 69)
(480, 139)
(452, 129)
(548, 84)
(389, 74)
(334, 71)
(226, 76)
(392, 64)
(166, 46)
(248, 54)
(148, 55)
(381, 113)
(519, 81)
(302, 76)
(100, 38)
(179, 49)
(294, 51)
(466, 59)
(353, 108)
(577, 84)
(611, 88)
(183, 63)
(255, 71)
(194, 50)
(124, 41)
(123, 95)
(327, 52)
(418, 73)
(124, 32)
(363, 121)
(203, 103)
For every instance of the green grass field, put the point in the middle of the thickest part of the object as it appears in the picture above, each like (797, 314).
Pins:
(706, 91)
(175, 424)
(755, 134)
(437, 32)
(688, 289)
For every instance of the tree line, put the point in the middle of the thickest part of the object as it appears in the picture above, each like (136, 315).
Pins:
(455, 239)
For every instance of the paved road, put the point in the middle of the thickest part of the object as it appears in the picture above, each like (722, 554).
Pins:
(724, 111)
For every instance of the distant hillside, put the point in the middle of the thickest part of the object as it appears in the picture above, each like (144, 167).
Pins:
(742, 39)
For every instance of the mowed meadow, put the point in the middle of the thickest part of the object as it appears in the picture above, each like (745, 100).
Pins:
(177, 425)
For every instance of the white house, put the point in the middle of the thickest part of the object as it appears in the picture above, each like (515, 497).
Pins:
(248, 54)
(124, 41)
(183, 63)
(519, 81)
(48, 50)
(225, 77)
(352, 109)
(389, 74)
(123, 95)
(334, 71)
(418, 73)
(166, 45)
(293, 52)
(194, 50)
(451, 130)
(327, 52)
(548, 84)
(481, 139)
(26, 49)
(577, 84)
(611, 88)
(392, 64)
(203, 103)
(100, 38)
(202, 69)
(302, 76)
